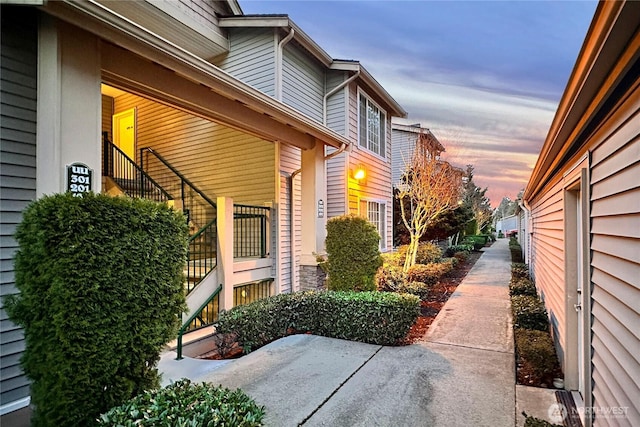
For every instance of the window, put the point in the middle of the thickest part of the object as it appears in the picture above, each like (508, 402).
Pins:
(372, 126)
(376, 214)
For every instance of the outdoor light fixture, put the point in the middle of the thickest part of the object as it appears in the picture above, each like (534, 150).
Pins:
(360, 173)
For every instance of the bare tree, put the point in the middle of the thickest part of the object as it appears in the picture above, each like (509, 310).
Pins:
(430, 187)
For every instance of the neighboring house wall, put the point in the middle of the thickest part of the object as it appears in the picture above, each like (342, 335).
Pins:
(17, 176)
(403, 144)
(252, 57)
(217, 159)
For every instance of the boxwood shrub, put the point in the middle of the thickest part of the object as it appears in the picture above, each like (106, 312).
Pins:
(101, 290)
(186, 404)
(353, 254)
(536, 350)
(371, 317)
(529, 313)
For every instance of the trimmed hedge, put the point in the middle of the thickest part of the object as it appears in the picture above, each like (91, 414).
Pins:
(520, 286)
(529, 313)
(371, 317)
(101, 291)
(536, 350)
(353, 254)
(185, 404)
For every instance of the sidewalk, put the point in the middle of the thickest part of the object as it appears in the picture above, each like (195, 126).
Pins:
(462, 374)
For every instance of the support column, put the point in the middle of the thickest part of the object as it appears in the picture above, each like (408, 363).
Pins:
(225, 250)
(314, 198)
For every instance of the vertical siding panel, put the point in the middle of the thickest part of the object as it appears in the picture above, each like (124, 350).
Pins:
(219, 160)
(302, 82)
(252, 58)
(18, 72)
(615, 245)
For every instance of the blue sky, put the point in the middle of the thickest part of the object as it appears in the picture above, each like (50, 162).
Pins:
(484, 76)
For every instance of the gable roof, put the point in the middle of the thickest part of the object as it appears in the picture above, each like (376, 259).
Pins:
(283, 21)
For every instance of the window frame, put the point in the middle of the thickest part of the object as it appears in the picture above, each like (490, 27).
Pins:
(383, 205)
(362, 126)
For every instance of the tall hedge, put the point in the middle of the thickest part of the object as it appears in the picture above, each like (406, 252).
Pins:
(101, 289)
(353, 254)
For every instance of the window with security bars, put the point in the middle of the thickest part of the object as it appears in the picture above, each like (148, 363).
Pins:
(372, 126)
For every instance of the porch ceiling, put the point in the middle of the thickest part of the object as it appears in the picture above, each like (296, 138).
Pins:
(136, 59)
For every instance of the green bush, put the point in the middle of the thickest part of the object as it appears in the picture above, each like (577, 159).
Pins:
(461, 256)
(427, 253)
(519, 270)
(353, 254)
(452, 250)
(529, 313)
(477, 242)
(101, 291)
(536, 350)
(390, 278)
(520, 286)
(185, 404)
(371, 317)
(419, 289)
(425, 273)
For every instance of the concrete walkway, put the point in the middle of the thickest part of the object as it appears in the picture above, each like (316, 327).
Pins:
(462, 374)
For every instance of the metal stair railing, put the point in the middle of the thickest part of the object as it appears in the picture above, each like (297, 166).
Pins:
(206, 314)
(130, 177)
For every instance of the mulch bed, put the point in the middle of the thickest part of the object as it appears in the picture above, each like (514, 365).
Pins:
(438, 296)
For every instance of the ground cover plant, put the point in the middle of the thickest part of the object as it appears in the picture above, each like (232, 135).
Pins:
(101, 290)
(186, 404)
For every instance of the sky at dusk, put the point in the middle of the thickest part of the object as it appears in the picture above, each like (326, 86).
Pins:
(485, 76)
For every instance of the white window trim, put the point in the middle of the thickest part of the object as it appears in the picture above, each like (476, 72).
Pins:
(382, 156)
(383, 239)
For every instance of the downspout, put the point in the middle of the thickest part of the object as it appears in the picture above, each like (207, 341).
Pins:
(324, 111)
(283, 42)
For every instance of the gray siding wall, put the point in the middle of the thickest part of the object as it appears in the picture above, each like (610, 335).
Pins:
(252, 57)
(219, 160)
(615, 262)
(337, 103)
(19, 69)
(290, 161)
(402, 146)
(302, 82)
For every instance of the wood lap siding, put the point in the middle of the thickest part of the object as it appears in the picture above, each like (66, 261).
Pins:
(219, 160)
(252, 58)
(615, 262)
(18, 73)
(302, 83)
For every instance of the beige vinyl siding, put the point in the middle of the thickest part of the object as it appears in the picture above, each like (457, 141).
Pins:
(107, 116)
(337, 103)
(203, 11)
(615, 262)
(252, 57)
(377, 184)
(302, 82)
(18, 72)
(219, 160)
(547, 257)
(290, 161)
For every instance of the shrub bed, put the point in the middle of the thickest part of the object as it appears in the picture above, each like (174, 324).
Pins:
(529, 313)
(185, 404)
(371, 317)
(536, 350)
(519, 270)
(452, 250)
(520, 286)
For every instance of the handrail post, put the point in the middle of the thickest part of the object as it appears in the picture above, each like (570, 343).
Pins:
(263, 236)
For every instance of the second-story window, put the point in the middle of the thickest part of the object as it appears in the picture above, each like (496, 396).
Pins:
(372, 126)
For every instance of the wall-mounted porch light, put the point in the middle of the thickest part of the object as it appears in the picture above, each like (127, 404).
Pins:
(359, 173)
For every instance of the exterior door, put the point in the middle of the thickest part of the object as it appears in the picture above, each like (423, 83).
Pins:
(124, 132)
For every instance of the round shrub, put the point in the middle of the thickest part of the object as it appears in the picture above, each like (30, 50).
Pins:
(461, 256)
(519, 286)
(390, 278)
(353, 254)
(425, 273)
(529, 313)
(536, 350)
(185, 404)
(101, 291)
(419, 289)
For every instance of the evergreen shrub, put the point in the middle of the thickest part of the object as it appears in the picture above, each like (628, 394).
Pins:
(186, 404)
(536, 350)
(101, 292)
(353, 254)
(371, 317)
(529, 313)
(521, 286)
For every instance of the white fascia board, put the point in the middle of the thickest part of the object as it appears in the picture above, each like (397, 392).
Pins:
(123, 32)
